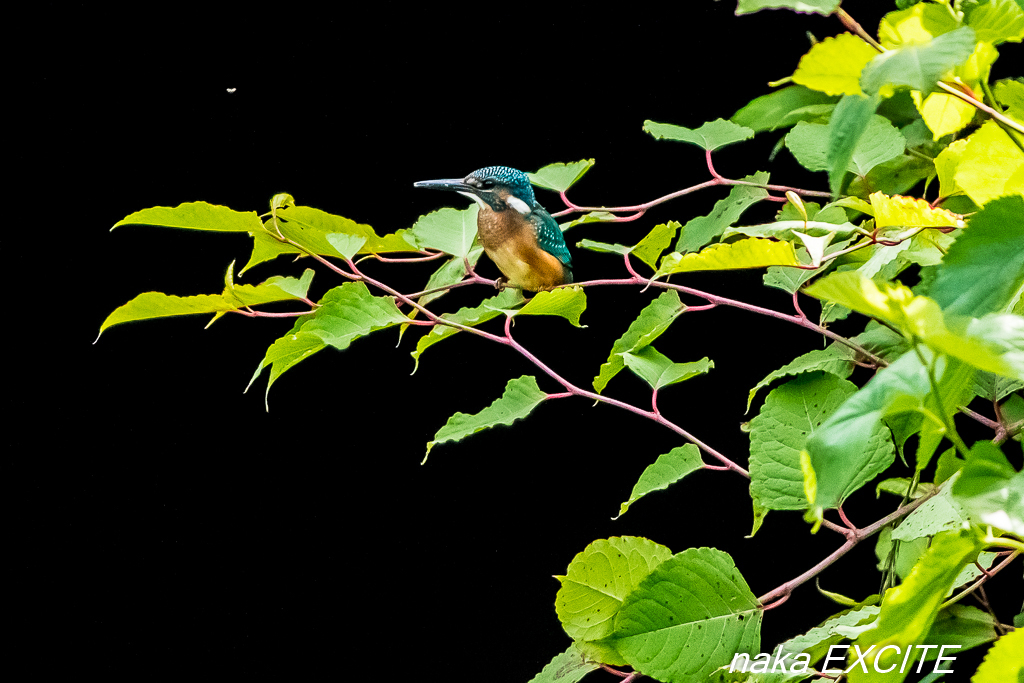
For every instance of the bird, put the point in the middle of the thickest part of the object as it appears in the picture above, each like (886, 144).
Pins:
(516, 232)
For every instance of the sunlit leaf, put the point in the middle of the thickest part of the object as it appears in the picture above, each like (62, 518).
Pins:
(569, 667)
(909, 212)
(195, 216)
(469, 316)
(997, 21)
(833, 66)
(659, 371)
(452, 231)
(990, 490)
(915, 25)
(990, 166)
(1003, 662)
(566, 302)
(649, 249)
(748, 253)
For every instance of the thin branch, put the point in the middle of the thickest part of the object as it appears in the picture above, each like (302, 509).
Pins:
(981, 580)
(998, 116)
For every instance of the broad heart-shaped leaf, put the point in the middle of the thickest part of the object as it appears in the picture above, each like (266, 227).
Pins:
(666, 470)
(647, 327)
(915, 25)
(470, 316)
(909, 212)
(566, 302)
(701, 230)
(710, 136)
(791, 415)
(311, 229)
(235, 297)
(919, 66)
(985, 266)
(1003, 662)
(748, 253)
(569, 667)
(599, 578)
(842, 452)
(835, 359)
(937, 514)
(990, 166)
(659, 371)
(833, 66)
(521, 396)
(909, 610)
(990, 490)
(774, 110)
(688, 617)
(195, 216)
(452, 231)
(817, 6)
(560, 177)
(344, 314)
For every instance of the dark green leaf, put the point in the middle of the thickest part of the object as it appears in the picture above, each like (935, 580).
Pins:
(659, 371)
(836, 359)
(710, 136)
(849, 123)
(774, 110)
(919, 66)
(647, 327)
(701, 230)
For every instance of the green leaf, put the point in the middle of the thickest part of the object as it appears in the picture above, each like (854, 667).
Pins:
(453, 270)
(649, 249)
(470, 316)
(849, 124)
(748, 253)
(909, 212)
(937, 514)
(668, 469)
(842, 452)
(792, 279)
(990, 490)
(312, 228)
(567, 302)
(452, 231)
(346, 245)
(604, 247)
(994, 343)
(703, 229)
(688, 617)
(521, 396)
(878, 142)
(818, 6)
(647, 327)
(659, 371)
(776, 109)
(597, 581)
(344, 314)
(909, 610)
(710, 136)
(195, 216)
(235, 297)
(960, 626)
(997, 21)
(992, 387)
(816, 642)
(985, 266)
(569, 667)
(1003, 662)
(788, 230)
(833, 66)
(919, 66)
(560, 177)
(836, 359)
(915, 25)
(791, 415)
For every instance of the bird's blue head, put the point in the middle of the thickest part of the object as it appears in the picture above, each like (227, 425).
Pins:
(493, 186)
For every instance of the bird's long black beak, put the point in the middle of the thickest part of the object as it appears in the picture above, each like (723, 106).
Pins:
(450, 184)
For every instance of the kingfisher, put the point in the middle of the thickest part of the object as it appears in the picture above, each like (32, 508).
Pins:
(522, 239)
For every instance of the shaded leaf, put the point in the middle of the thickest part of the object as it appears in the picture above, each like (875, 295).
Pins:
(775, 110)
(470, 316)
(850, 123)
(990, 490)
(836, 359)
(701, 230)
(569, 667)
(919, 66)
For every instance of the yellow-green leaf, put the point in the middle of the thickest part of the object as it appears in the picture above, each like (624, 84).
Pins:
(991, 165)
(833, 66)
(748, 253)
(909, 212)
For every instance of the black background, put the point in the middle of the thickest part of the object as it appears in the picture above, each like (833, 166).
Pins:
(164, 522)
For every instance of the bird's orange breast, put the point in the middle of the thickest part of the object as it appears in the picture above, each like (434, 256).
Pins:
(510, 240)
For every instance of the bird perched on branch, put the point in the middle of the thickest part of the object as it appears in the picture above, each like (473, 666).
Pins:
(522, 239)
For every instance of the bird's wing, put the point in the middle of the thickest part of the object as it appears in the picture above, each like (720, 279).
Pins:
(549, 236)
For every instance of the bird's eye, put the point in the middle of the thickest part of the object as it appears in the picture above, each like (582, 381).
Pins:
(488, 184)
